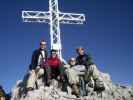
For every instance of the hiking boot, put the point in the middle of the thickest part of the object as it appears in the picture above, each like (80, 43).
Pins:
(75, 90)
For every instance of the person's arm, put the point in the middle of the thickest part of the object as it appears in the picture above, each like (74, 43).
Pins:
(33, 60)
(77, 61)
(89, 60)
(46, 54)
(45, 62)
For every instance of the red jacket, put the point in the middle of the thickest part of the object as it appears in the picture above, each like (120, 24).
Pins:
(52, 62)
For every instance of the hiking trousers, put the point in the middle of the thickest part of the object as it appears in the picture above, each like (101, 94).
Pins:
(33, 76)
(92, 72)
(72, 75)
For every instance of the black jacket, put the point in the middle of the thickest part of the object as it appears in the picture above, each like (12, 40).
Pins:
(84, 60)
(35, 57)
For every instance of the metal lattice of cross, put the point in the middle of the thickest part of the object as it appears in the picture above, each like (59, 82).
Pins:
(54, 18)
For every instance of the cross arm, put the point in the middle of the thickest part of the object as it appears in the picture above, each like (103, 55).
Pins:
(71, 18)
(35, 16)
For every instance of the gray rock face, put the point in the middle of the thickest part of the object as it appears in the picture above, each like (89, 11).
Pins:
(112, 92)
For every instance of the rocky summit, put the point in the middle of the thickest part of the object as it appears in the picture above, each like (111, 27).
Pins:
(53, 92)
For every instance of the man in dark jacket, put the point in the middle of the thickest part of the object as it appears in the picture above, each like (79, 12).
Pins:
(35, 67)
(83, 58)
(92, 73)
(38, 55)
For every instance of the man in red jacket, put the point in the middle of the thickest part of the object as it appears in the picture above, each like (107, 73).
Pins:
(52, 64)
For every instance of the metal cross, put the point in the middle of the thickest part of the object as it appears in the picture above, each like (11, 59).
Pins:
(54, 18)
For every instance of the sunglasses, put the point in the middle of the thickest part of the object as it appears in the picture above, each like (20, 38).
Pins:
(72, 60)
(53, 53)
(42, 44)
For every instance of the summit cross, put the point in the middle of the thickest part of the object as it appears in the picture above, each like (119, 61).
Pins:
(54, 18)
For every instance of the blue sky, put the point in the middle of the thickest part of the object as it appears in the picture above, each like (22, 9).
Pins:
(107, 35)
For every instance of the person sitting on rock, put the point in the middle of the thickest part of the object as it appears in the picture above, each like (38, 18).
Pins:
(83, 58)
(53, 66)
(35, 67)
(92, 74)
(73, 77)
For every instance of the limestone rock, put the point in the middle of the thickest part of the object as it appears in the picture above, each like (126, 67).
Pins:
(112, 92)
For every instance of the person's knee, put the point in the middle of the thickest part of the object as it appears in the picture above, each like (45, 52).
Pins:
(32, 76)
(40, 72)
(31, 72)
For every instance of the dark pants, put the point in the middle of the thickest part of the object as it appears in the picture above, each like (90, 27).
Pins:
(47, 76)
(51, 73)
(55, 72)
